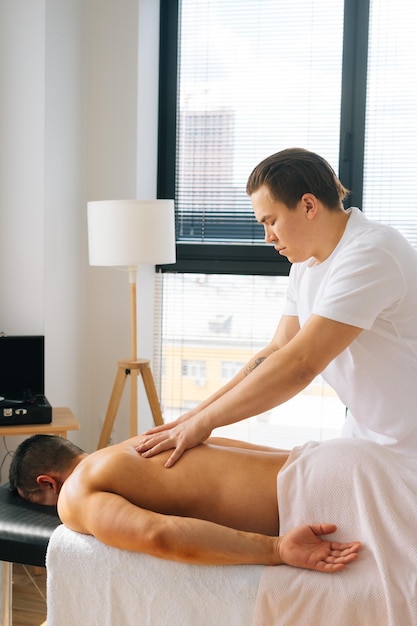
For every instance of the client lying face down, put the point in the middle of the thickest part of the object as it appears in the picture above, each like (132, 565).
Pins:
(218, 506)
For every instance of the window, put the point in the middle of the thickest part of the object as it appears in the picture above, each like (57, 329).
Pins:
(210, 326)
(256, 76)
(196, 370)
(253, 77)
(229, 369)
(391, 117)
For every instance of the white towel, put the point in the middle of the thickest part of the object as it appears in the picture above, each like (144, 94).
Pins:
(91, 584)
(370, 492)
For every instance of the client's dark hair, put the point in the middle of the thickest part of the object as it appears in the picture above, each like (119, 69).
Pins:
(40, 454)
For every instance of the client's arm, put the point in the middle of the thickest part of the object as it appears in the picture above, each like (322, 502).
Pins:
(118, 523)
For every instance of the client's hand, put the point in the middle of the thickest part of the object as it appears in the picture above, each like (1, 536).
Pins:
(185, 432)
(301, 547)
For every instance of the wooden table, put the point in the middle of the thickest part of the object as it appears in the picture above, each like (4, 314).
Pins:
(63, 420)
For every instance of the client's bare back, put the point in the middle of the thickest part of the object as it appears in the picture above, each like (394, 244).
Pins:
(232, 486)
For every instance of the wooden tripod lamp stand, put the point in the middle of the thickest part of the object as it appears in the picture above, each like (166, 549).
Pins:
(128, 234)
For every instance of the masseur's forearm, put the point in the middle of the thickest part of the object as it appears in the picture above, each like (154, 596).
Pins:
(283, 374)
(277, 379)
(231, 384)
(273, 381)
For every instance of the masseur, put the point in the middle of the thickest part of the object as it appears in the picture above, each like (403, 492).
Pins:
(218, 506)
(350, 315)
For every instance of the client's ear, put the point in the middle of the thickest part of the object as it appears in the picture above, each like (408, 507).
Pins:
(47, 482)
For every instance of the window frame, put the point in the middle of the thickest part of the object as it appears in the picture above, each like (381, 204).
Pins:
(232, 258)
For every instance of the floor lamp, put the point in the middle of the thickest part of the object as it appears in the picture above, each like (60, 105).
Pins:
(127, 234)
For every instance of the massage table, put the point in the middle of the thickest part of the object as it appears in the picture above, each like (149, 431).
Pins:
(25, 530)
(93, 584)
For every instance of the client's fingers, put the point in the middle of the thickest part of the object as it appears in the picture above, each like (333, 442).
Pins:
(347, 558)
(335, 564)
(336, 545)
(345, 548)
(329, 567)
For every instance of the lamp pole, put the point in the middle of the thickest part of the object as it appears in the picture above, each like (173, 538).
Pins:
(133, 410)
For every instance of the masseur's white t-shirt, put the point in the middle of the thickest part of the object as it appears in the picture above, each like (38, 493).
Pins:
(369, 281)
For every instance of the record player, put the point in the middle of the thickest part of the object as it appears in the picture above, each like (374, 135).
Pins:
(22, 381)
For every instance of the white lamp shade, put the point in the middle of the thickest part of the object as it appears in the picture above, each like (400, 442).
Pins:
(130, 233)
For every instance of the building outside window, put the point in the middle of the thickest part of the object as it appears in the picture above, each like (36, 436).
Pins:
(230, 369)
(195, 370)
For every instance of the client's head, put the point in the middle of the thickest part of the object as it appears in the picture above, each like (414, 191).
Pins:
(39, 465)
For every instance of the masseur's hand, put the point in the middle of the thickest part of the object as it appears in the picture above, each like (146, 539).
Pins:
(185, 432)
(302, 547)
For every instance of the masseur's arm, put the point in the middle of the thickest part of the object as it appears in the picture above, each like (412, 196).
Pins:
(287, 328)
(284, 373)
(118, 523)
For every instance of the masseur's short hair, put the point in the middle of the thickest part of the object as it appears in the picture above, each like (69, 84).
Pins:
(40, 454)
(291, 173)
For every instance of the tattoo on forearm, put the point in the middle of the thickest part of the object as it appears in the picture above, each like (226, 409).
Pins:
(254, 365)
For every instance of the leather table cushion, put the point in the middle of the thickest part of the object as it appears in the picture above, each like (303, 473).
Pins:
(25, 529)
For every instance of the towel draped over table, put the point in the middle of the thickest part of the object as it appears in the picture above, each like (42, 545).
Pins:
(370, 492)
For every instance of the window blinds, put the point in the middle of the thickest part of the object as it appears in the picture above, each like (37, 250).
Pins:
(207, 327)
(254, 78)
(391, 117)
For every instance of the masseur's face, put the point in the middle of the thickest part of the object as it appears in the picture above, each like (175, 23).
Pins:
(289, 230)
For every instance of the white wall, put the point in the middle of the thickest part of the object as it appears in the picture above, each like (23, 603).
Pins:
(64, 201)
(78, 84)
(22, 168)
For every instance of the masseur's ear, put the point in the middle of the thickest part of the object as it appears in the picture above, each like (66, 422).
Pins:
(47, 482)
(310, 204)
